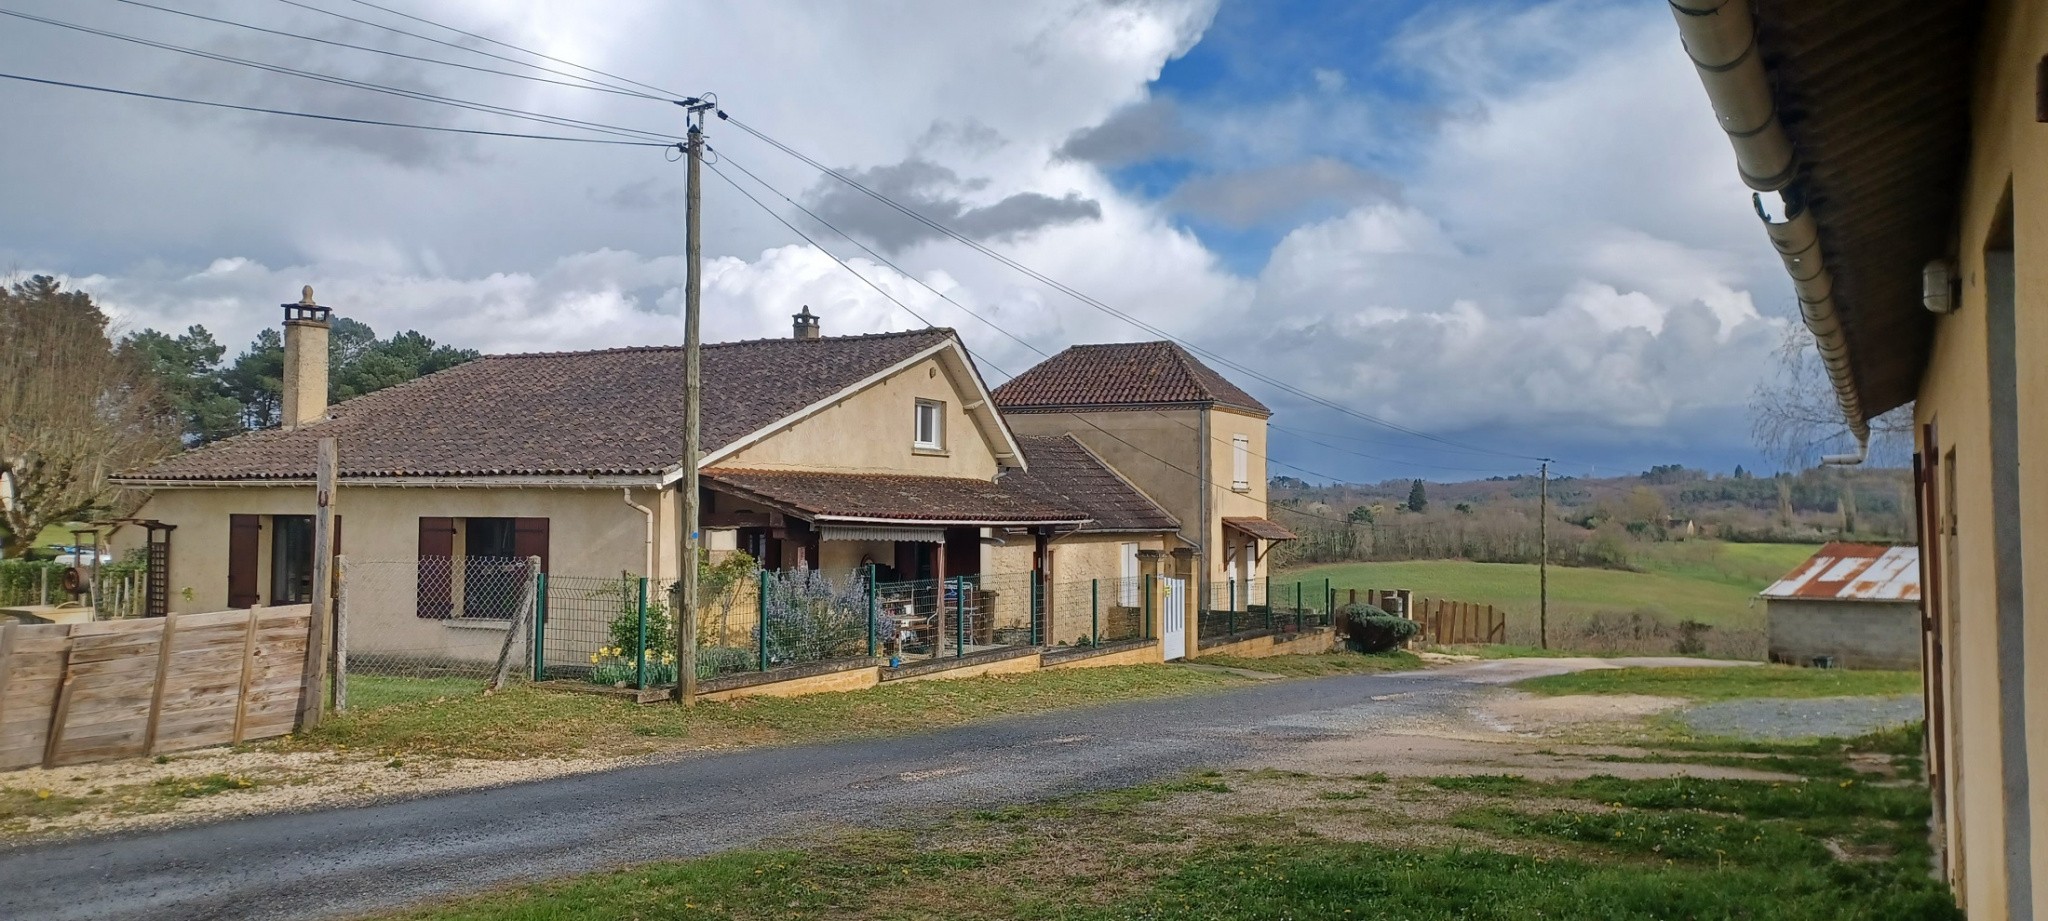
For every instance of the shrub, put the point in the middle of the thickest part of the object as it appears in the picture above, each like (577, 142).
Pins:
(1369, 629)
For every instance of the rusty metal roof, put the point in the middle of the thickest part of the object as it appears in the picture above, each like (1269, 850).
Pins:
(1854, 572)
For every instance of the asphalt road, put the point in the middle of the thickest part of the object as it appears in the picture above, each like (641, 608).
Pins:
(348, 862)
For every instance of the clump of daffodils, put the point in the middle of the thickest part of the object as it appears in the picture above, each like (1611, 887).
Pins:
(614, 666)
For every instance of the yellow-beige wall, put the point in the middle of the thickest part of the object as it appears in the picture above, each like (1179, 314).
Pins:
(1162, 452)
(1153, 449)
(590, 531)
(872, 432)
(2009, 146)
(1231, 503)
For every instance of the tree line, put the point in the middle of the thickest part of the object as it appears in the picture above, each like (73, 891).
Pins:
(80, 404)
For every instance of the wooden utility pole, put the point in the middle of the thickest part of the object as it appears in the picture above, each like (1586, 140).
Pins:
(693, 408)
(1543, 560)
(313, 691)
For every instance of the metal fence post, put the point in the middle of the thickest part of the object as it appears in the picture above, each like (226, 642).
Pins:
(640, 667)
(761, 627)
(1230, 589)
(1095, 611)
(1148, 605)
(1329, 602)
(873, 605)
(1037, 622)
(540, 626)
(1230, 622)
(959, 616)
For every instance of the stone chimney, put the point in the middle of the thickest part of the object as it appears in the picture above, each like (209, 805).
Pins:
(305, 362)
(806, 324)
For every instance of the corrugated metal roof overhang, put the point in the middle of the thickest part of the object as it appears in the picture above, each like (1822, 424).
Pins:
(1875, 95)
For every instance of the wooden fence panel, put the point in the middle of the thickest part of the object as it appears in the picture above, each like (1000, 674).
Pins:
(1456, 623)
(75, 693)
(30, 675)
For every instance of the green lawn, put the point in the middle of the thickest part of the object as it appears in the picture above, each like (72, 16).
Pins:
(1729, 683)
(451, 717)
(1707, 581)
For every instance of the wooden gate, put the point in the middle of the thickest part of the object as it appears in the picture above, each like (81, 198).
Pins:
(1173, 619)
(1457, 623)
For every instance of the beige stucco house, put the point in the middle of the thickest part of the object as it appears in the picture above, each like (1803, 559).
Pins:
(1915, 181)
(825, 453)
(1184, 434)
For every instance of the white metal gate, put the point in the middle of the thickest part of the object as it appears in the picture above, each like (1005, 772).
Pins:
(1173, 619)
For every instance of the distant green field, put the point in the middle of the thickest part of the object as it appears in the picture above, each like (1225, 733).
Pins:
(1707, 581)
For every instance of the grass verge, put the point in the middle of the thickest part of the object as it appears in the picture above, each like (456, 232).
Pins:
(436, 717)
(1321, 666)
(1257, 845)
(1725, 683)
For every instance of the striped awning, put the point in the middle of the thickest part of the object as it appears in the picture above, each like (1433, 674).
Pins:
(915, 535)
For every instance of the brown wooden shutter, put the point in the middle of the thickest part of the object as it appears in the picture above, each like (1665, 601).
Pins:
(437, 552)
(530, 538)
(244, 535)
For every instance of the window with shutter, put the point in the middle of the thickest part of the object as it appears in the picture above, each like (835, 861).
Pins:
(1240, 462)
(244, 531)
(437, 568)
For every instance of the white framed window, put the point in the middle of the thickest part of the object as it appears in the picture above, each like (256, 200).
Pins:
(930, 426)
(1130, 591)
(1241, 462)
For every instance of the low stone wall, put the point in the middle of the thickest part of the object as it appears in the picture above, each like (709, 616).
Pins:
(1309, 642)
(794, 682)
(999, 662)
(1132, 652)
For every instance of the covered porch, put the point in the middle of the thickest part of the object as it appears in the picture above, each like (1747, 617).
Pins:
(921, 548)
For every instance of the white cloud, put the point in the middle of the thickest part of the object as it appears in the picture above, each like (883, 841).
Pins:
(1569, 256)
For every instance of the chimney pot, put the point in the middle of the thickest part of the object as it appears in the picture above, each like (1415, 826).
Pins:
(305, 362)
(806, 326)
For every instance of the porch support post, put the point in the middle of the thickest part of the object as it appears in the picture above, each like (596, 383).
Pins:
(873, 602)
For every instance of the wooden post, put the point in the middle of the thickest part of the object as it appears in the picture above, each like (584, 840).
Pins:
(313, 687)
(248, 666)
(163, 674)
(55, 739)
(340, 657)
(503, 672)
(6, 667)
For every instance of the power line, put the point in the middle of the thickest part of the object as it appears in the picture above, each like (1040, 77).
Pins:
(671, 94)
(384, 51)
(1097, 304)
(1449, 444)
(332, 118)
(478, 51)
(523, 115)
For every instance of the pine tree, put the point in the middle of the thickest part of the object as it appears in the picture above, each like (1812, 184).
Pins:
(1418, 498)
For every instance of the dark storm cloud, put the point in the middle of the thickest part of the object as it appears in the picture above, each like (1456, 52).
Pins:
(932, 190)
(1135, 132)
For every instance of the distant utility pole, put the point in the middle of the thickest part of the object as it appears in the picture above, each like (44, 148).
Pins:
(1543, 560)
(693, 404)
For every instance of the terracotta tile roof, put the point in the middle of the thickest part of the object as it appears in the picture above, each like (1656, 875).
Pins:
(1260, 528)
(1063, 470)
(1121, 374)
(886, 497)
(616, 411)
(1853, 572)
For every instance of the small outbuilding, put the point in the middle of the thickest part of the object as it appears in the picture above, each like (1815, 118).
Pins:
(1849, 606)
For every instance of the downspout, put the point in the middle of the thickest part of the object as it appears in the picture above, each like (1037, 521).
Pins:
(1720, 37)
(1203, 584)
(649, 543)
